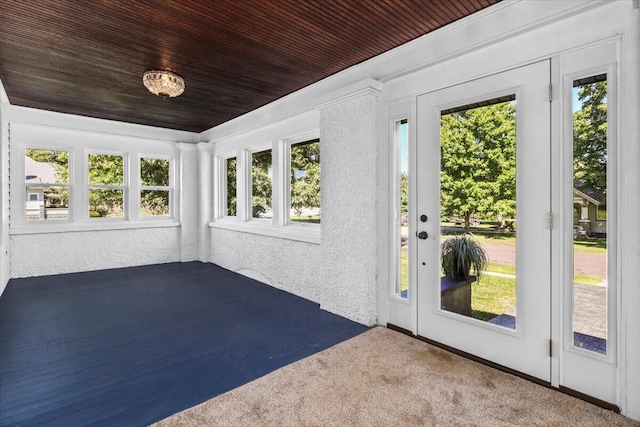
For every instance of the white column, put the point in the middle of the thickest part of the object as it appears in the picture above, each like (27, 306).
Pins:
(349, 156)
(205, 172)
(189, 201)
(4, 190)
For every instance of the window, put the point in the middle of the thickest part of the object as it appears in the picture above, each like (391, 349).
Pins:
(261, 184)
(267, 181)
(155, 190)
(231, 166)
(46, 184)
(70, 181)
(401, 206)
(106, 186)
(304, 182)
(591, 164)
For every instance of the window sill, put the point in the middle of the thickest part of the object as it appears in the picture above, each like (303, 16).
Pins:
(98, 225)
(302, 233)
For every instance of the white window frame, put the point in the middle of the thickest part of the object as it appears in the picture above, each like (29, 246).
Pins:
(220, 186)
(23, 156)
(278, 137)
(589, 70)
(124, 186)
(248, 201)
(285, 178)
(137, 187)
(79, 145)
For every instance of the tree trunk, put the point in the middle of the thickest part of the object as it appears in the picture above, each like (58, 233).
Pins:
(467, 222)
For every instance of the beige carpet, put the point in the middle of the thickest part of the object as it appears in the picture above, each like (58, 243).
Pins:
(384, 378)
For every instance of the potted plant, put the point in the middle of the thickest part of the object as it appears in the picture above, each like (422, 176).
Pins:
(459, 256)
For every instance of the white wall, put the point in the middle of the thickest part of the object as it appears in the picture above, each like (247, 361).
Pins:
(348, 145)
(340, 271)
(56, 253)
(286, 264)
(5, 255)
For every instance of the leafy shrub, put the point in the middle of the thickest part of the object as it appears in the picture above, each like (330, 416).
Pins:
(460, 254)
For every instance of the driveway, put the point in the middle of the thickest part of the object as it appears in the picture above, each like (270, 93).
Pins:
(585, 263)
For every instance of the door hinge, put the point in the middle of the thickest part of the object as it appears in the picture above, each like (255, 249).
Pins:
(550, 219)
(550, 348)
(550, 92)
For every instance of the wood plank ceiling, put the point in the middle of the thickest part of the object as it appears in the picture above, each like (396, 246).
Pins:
(87, 57)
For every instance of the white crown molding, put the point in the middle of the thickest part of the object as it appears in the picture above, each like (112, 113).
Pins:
(355, 90)
(34, 116)
(205, 147)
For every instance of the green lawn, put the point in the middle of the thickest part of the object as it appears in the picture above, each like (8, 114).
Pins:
(511, 269)
(404, 270)
(492, 296)
(313, 219)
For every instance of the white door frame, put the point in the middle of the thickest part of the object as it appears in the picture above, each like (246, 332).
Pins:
(525, 349)
(574, 368)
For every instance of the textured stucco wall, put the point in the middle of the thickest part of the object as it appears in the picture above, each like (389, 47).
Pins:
(340, 272)
(285, 264)
(348, 134)
(55, 253)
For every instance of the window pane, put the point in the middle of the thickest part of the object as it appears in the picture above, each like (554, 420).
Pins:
(154, 172)
(590, 213)
(107, 203)
(106, 169)
(478, 211)
(46, 166)
(50, 203)
(305, 182)
(261, 176)
(402, 206)
(154, 202)
(231, 186)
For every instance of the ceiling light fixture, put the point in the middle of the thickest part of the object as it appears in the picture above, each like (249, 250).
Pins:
(163, 83)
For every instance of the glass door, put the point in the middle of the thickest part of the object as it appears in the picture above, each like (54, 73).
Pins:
(483, 187)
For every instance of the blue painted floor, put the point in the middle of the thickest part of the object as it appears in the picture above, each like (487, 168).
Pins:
(128, 347)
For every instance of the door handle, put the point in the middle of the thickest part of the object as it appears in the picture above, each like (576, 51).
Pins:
(422, 235)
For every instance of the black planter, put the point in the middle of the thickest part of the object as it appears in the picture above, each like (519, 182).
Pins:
(455, 294)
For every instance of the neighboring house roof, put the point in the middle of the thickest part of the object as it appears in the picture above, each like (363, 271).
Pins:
(40, 172)
(585, 196)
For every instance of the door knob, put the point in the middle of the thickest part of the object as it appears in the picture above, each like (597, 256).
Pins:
(422, 235)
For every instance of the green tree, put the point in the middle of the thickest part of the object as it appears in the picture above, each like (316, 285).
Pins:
(305, 176)
(478, 162)
(154, 172)
(58, 159)
(232, 194)
(261, 188)
(404, 193)
(590, 138)
(106, 169)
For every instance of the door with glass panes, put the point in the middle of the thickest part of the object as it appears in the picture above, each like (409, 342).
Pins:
(483, 201)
